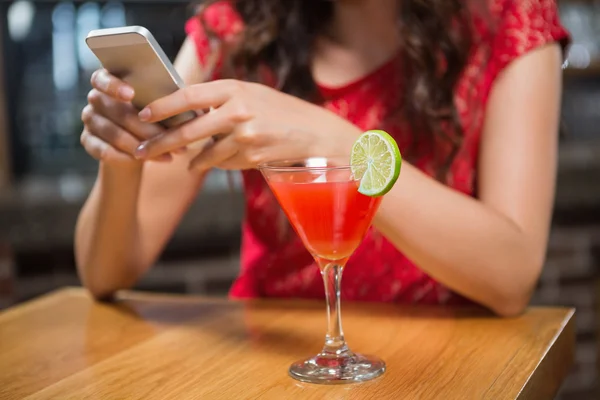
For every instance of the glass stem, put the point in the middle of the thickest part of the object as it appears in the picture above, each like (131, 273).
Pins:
(334, 340)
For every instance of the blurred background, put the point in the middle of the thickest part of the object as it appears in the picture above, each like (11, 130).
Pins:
(45, 175)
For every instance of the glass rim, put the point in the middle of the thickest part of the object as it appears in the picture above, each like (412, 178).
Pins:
(287, 165)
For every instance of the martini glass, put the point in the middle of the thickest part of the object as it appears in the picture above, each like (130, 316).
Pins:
(320, 198)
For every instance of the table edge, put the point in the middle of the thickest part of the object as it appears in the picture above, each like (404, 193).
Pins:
(564, 336)
(81, 292)
(41, 300)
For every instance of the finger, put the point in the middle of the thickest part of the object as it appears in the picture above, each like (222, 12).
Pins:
(102, 151)
(216, 154)
(93, 145)
(122, 114)
(202, 128)
(111, 85)
(237, 162)
(196, 97)
(181, 150)
(108, 131)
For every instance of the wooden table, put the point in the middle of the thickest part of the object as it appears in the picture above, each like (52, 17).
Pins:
(65, 346)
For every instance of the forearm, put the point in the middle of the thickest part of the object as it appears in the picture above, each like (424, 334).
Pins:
(106, 245)
(461, 242)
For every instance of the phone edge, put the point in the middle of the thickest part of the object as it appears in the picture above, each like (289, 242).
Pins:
(147, 35)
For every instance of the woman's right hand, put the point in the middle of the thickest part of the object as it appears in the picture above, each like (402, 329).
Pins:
(112, 129)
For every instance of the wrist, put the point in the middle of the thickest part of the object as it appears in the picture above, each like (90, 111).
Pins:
(335, 138)
(121, 173)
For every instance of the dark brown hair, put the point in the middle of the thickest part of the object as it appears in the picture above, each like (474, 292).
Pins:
(436, 42)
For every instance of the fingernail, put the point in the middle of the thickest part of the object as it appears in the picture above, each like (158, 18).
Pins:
(181, 150)
(145, 114)
(141, 152)
(126, 93)
(102, 81)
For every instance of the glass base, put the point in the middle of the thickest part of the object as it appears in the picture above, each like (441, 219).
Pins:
(336, 369)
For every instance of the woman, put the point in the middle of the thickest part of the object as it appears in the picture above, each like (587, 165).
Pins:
(471, 94)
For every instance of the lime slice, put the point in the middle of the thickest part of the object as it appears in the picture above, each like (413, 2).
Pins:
(379, 157)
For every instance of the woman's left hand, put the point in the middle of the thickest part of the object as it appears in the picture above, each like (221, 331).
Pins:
(253, 124)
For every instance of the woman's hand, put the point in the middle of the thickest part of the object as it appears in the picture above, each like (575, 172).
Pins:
(112, 130)
(251, 124)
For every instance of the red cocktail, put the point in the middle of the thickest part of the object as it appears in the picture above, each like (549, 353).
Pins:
(320, 198)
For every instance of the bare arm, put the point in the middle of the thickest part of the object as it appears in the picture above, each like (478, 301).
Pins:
(490, 249)
(134, 208)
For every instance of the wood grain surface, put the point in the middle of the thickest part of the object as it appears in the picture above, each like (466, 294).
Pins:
(148, 346)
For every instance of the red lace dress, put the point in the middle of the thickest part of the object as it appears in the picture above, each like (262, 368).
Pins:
(274, 262)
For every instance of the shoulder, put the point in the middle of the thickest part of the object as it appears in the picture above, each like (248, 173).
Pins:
(504, 31)
(212, 27)
(219, 18)
(522, 26)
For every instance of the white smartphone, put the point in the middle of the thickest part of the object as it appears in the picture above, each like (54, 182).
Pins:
(132, 54)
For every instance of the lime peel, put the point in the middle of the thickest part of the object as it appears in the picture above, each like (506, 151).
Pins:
(377, 160)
